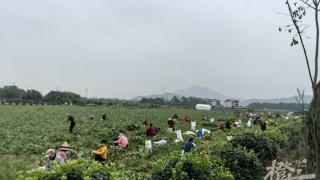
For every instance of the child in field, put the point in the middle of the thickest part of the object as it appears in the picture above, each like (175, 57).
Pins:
(101, 154)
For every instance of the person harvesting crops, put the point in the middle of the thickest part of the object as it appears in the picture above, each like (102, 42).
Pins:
(63, 150)
(263, 125)
(145, 122)
(175, 117)
(101, 153)
(104, 117)
(72, 123)
(189, 146)
(186, 118)
(171, 124)
(122, 141)
(53, 156)
(151, 131)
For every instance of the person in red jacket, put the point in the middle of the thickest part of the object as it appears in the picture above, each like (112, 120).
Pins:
(186, 118)
(151, 131)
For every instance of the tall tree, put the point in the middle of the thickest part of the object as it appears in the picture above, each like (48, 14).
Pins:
(33, 95)
(298, 9)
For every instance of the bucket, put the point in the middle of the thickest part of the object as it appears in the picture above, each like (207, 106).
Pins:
(193, 126)
(148, 144)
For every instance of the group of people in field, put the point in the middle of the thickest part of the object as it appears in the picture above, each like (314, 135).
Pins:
(100, 154)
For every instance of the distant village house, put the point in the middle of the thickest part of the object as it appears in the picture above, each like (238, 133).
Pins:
(215, 102)
(231, 103)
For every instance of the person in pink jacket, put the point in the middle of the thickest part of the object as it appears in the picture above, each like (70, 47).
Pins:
(122, 141)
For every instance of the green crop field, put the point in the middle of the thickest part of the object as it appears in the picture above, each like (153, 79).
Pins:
(26, 133)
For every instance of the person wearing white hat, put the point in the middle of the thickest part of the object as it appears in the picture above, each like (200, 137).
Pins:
(53, 156)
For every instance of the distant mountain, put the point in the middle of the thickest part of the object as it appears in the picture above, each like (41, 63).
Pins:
(292, 99)
(194, 91)
(201, 92)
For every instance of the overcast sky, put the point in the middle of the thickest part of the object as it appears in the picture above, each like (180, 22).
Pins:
(138, 47)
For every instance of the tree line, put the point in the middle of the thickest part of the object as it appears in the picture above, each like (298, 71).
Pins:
(13, 94)
(185, 102)
(278, 106)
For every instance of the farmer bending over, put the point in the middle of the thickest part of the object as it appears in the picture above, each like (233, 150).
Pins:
(171, 123)
(151, 131)
(104, 116)
(189, 146)
(53, 156)
(101, 154)
(145, 122)
(63, 151)
(122, 141)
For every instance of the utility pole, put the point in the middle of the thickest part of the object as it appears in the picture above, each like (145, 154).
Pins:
(86, 93)
(163, 94)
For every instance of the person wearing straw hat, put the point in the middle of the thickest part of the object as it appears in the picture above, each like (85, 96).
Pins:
(63, 150)
(53, 156)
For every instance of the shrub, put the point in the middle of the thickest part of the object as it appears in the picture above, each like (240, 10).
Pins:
(132, 127)
(193, 165)
(243, 164)
(263, 146)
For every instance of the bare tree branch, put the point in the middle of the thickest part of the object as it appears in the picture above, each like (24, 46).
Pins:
(302, 43)
(306, 3)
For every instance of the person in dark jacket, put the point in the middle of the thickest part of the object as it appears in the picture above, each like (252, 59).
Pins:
(72, 123)
(104, 116)
(228, 125)
(175, 117)
(263, 125)
(189, 146)
(151, 131)
(171, 123)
